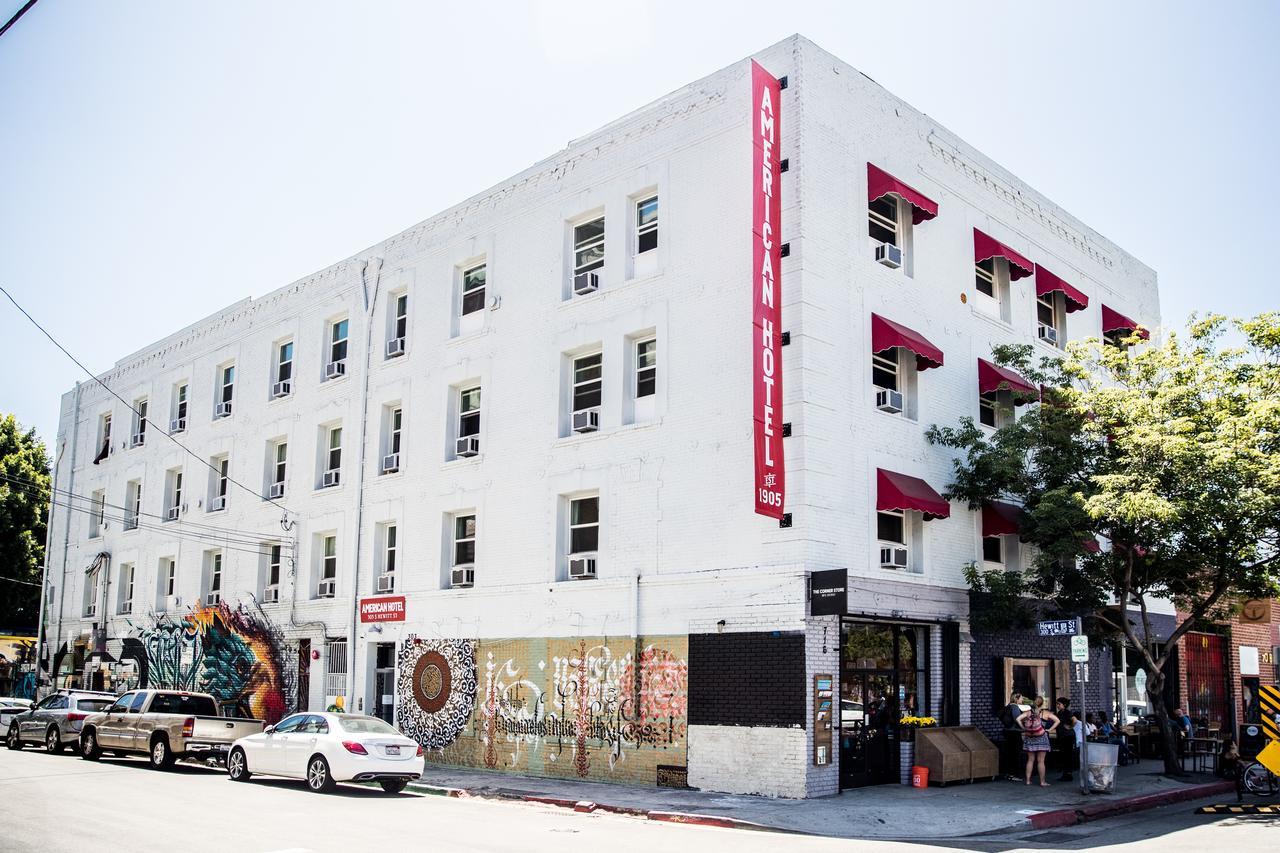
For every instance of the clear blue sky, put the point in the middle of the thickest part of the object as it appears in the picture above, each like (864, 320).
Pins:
(160, 160)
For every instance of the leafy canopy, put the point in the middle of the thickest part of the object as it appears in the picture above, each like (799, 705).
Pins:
(24, 504)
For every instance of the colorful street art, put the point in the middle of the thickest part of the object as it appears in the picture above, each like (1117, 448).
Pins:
(588, 708)
(234, 653)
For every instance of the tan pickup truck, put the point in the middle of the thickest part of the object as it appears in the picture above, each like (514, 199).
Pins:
(166, 725)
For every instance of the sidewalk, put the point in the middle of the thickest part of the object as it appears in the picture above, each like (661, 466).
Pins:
(884, 811)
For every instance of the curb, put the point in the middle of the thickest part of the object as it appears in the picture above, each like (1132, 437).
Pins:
(1071, 817)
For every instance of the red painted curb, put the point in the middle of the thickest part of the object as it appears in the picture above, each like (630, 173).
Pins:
(706, 820)
(1093, 811)
(562, 802)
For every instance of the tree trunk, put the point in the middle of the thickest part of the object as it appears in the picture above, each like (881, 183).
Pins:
(1168, 735)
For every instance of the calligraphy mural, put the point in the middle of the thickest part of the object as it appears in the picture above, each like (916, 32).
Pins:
(587, 708)
(234, 653)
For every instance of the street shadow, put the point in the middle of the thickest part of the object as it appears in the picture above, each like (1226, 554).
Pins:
(350, 790)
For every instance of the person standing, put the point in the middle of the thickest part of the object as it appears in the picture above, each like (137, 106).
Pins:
(1011, 744)
(1036, 726)
(1065, 739)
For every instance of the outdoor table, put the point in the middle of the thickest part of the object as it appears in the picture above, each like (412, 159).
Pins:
(1200, 750)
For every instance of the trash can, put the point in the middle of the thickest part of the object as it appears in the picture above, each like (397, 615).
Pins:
(919, 777)
(1103, 758)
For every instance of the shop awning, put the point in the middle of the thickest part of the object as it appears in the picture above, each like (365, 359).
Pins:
(1001, 519)
(986, 247)
(886, 334)
(880, 183)
(993, 377)
(896, 491)
(1047, 282)
(1091, 545)
(1114, 321)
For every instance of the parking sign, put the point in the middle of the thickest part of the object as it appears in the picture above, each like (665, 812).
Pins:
(1080, 648)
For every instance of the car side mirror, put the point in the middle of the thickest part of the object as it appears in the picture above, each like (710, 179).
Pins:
(269, 730)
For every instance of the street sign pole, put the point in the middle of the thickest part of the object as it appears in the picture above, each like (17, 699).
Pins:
(1084, 741)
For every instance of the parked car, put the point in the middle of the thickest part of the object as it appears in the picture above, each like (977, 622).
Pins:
(325, 749)
(165, 725)
(56, 719)
(10, 707)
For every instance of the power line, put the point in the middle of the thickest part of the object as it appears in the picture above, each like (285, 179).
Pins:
(16, 15)
(18, 580)
(128, 405)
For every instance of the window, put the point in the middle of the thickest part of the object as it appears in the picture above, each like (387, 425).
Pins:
(91, 593)
(338, 341)
(473, 283)
(278, 465)
(226, 391)
(139, 436)
(335, 671)
(646, 225)
(179, 408)
(584, 524)
(399, 324)
(588, 246)
(397, 423)
(273, 567)
(169, 576)
(104, 438)
(389, 553)
(891, 527)
(284, 368)
(215, 578)
(995, 409)
(126, 589)
(587, 382)
(985, 277)
(133, 504)
(993, 549)
(329, 560)
(221, 477)
(884, 369)
(882, 220)
(464, 540)
(173, 499)
(97, 513)
(646, 367)
(468, 412)
(333, 456)
(1050, 312)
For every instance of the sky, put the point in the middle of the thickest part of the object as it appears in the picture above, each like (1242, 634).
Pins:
(161, 160)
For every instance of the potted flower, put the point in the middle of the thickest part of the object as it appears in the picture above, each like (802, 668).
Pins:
(907, 743)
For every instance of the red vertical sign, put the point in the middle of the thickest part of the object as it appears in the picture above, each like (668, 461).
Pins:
(766, 293)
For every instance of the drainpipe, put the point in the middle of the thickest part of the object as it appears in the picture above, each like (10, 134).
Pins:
(370, 299)
(66, 534)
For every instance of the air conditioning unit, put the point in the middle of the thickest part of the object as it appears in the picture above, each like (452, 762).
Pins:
(137, 439)
(893, 557)
(178, 425)
(395, 347)
(172, 603)
(391, 463)
(888, 400)
(212, 599)
(275, 490)
(326, 589)
(271, 595)
(218, 503)
(172, 513)
(587, 420)
(387, 582)
(1049, 335)
(582, 566)
(331, 478)
(462, 577)
(889, 255)
(223, 410)
(469, 445)
(586, 282)
(91, 610)
(282, 389)
(334, 369)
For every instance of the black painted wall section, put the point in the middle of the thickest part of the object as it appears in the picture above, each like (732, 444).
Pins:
(749, 679)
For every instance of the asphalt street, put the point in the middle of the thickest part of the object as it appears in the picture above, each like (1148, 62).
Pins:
(57, 803)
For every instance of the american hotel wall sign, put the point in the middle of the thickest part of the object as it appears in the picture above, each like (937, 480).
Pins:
(766, 261)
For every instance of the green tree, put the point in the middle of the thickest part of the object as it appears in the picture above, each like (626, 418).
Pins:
(1169, 454)
(24, 507)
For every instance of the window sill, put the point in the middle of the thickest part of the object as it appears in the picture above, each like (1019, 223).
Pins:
(332, 380)
(900, 416)
(458, 340)
(626, 284)
(582, 437)
(992, 319)
(462, 462)
(320, 490)
(384, 475)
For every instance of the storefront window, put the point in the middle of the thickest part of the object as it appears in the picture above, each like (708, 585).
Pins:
(1032, 678)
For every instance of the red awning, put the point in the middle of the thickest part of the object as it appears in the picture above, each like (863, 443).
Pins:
(880, 183)
(985, 246)
(1091, 545)
(1047, 282)
(993, 377)
(886, 334)
(1001, 519)
(1113, 321)
(896, 491)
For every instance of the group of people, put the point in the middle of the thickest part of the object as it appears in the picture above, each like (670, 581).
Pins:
(1034, 722)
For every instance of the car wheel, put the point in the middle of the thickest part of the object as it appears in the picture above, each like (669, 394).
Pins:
(319, 779)
(393, 786)
(238, 766)
(52, 743)
(89, 749)
(12, 740)
(161, 757)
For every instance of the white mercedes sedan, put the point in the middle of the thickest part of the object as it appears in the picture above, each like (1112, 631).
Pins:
(325, 749)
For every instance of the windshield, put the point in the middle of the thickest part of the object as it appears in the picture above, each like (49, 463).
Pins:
(366, 726)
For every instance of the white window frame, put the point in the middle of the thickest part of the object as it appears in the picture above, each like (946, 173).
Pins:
(175, 491)
(400, 317)
(133, 504)
(104, 432)
(642, 368)
(465, 291)
(894, 226)
(645, 228)
(274, 565)
(139, 436)
(582, 384)
(284, 366)
(580, 246)
(180, 403)
(573, 502)
(215, 573)
(461, 538)
(339, 347)
(998, 541)
(333, 434)
(469, 415)
(1054, 302)
(280, 462)
(329, 557)
(127, 576)
(390, 548)
(170, 576)
(227, 386)
(98, 513)
(889, 364)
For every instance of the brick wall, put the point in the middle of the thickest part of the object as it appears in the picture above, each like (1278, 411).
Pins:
(747, 679)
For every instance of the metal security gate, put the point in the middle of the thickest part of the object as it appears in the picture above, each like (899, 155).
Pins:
(335, 674)
(1207, 669)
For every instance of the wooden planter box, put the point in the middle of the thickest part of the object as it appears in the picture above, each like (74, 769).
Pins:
(956, 754)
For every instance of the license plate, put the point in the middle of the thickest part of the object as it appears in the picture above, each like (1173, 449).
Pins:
(393, 750)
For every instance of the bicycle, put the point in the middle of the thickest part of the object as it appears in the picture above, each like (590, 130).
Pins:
(1257, 779)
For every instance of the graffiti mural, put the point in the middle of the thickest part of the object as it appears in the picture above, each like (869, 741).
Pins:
(585, 708)
(234, 653)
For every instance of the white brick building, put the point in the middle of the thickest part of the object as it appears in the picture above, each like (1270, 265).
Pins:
(691, 649)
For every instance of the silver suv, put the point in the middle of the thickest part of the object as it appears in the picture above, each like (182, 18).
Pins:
(56, 719)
